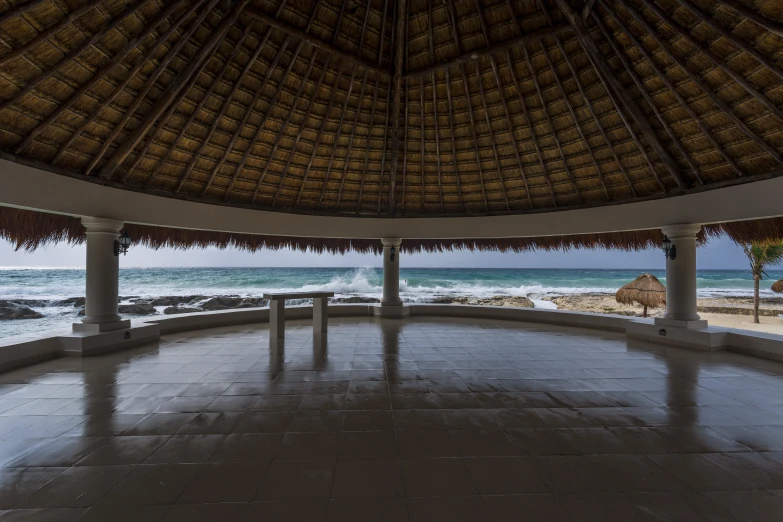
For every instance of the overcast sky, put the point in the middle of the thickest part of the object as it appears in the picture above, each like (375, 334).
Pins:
(716, 255)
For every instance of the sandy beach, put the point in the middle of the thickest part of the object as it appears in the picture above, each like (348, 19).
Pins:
(731, 312)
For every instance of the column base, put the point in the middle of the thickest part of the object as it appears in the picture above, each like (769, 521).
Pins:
(109, 326)
(698, 324)
(391, 311)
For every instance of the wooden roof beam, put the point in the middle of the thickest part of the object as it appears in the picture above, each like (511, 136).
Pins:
(399, 52)
(173, 89)
(491, 49)
(281, 133)
(506, 110)
(640, 85)
(100, 74)
(607, 75)
(698, 80)
(750, 14)
(587, 9)
(315, 42)
(67, 58)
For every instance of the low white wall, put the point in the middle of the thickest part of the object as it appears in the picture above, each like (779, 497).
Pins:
(614, 323)
(31, 348)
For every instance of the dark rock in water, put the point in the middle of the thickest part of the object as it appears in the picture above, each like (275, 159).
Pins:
(221, 303)
(170, 300)
(228, 303)
(81, 312)
(448, 299)
(502, 300)
(172, 310)
(137, 309)
(16, 310)
(76, 302)
(354, 299)
(31, 302)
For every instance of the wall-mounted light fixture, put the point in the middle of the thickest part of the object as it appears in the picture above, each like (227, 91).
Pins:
(122, 244)
(669, 250)
(392, 253)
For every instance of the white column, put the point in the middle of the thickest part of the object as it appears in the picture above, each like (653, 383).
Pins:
(320, 314)
(391, 272)
(276, 319)
(103, 270)
(681, 278)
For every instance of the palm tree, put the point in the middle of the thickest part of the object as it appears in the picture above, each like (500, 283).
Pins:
(761, 255)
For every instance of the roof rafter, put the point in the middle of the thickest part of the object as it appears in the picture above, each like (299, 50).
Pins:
(491, 49)
(703, 85)
(224, 108)
(637, 81)
(315, 42)
(506, 111)
(92, 40)
(399, 51)
(281, 133)
(606, 75)
(172, 90)
(100, 74)
(162, 39)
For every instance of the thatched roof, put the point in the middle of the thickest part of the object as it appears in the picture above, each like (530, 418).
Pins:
(645, 290)
(395, 107)
(777, 286)
(29, 230)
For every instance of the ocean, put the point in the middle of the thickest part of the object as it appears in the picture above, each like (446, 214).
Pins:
(50, 285)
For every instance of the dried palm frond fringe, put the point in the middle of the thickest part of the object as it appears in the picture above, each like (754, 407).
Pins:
(29, 230)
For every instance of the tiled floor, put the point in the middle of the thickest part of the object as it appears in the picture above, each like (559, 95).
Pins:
(422, 420)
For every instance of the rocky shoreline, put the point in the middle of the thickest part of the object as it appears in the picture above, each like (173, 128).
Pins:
(18, 309)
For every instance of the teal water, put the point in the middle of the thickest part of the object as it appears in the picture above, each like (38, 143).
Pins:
(416, 284)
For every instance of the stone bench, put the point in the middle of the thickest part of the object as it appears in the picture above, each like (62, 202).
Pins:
(277, 310)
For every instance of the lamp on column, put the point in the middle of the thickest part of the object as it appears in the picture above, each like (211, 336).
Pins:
(669, 250)
(392, 252)
(122, 244)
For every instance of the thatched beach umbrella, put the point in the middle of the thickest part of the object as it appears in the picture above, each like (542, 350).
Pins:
(777, 286)
(645, 290)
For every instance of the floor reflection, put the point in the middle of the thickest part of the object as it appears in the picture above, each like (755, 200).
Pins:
(416, 419)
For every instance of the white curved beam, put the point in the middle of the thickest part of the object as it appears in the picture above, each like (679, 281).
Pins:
(28, 187)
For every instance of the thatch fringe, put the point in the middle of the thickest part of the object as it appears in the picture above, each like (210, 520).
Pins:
(29, 230)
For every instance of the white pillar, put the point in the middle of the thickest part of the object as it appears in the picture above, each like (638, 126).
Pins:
(276, 319)
(681, 278)
(103, 271)
(320, 315)
(391, 272)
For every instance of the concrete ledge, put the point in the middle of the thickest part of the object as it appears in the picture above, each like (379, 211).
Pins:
(392, 312)
(84, 344)
(23, 350)
(613, 323)
(201, 320)
(764, 345)
(708, 339)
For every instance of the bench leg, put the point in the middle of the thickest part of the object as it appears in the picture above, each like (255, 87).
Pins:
(320, 314)
(276, 319)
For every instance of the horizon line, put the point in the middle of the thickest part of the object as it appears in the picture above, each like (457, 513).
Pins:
(34, 267)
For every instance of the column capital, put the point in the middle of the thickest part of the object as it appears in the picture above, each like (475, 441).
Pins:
(683, 230)
(391, 241)
(96, 224)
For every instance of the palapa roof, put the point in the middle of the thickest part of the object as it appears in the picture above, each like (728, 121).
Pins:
(645, 290)
(395, 107)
